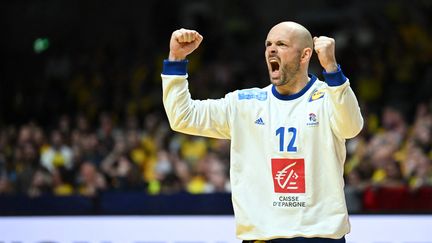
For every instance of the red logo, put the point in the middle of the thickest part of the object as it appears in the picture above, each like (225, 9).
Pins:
(288, 175)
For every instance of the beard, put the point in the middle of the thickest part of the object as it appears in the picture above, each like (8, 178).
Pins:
(288, 72)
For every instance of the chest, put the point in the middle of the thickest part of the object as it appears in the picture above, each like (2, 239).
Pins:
(285, 126)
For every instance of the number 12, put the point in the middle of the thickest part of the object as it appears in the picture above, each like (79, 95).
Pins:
(281, 133)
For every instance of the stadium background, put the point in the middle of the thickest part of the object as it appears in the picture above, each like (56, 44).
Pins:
(83, 130)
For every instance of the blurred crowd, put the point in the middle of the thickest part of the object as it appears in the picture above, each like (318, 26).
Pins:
(98, 121)
(75, 158)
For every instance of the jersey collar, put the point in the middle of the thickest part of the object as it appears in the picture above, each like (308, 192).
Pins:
(296, 95)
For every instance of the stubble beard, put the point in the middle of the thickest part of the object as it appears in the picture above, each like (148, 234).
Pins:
(288, 73)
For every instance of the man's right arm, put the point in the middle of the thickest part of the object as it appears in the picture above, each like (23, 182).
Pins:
(197, 117)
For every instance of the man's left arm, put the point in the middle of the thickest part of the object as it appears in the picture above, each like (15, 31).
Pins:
(346, 118)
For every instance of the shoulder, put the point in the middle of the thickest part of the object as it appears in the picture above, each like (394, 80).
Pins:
(318, 90)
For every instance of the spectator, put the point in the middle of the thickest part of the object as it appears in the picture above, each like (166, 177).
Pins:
(5, 186)
(422, 174)
(90, 181)
(106, 133)
(26, 163)
(58, 154)
(123, 174)
(217, 175)
(62, 182)
(89, 147)
(392, 175)
(41, 183)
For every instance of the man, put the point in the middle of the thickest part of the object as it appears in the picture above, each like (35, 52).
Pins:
(287, 139)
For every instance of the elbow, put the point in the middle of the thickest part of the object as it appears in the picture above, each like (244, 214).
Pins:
(175, 124)
(175, 117)
(176, 127)
(355, 128)
(179, 121)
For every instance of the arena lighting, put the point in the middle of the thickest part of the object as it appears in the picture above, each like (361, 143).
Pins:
(41, 44)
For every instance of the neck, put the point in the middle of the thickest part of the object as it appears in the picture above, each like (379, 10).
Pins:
(293, 86)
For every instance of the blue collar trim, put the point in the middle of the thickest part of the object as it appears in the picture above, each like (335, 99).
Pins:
(296, 95)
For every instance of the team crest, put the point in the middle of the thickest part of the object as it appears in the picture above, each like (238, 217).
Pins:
(313, 120)
(316, 95)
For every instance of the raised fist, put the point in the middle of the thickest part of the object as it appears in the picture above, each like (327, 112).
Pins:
(183, 42)
(325, 49)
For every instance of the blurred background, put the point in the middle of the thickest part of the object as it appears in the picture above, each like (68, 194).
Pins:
(83, 129)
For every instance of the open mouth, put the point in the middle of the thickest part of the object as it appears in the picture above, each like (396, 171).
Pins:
(274, 64)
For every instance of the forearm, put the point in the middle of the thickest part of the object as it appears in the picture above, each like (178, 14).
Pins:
(346, 117)
(177, 101)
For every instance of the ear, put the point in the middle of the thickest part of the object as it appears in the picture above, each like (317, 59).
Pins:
(306, 54)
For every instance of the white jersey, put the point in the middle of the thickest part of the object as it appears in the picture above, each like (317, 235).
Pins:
(287, 151)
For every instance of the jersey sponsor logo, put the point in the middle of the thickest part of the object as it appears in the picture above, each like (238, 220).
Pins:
(288, 175)
(316, 95)
(252, 94)
(313, 120)
(259, 121)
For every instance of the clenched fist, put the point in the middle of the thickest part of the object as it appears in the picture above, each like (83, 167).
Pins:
(183, 42)
(325, 49)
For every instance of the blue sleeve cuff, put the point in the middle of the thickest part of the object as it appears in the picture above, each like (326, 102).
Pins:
(335, 78)
(175, 67)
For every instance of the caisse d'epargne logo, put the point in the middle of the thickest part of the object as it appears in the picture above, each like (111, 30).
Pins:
(288, 175)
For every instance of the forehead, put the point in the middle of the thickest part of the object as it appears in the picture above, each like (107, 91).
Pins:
(280, 33)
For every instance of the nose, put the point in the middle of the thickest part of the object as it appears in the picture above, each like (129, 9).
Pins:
(272, 49)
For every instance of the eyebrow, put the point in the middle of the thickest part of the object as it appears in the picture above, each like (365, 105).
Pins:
(278, 41)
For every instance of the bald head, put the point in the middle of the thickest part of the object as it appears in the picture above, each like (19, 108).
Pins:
(289, 47)
(297, 33)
